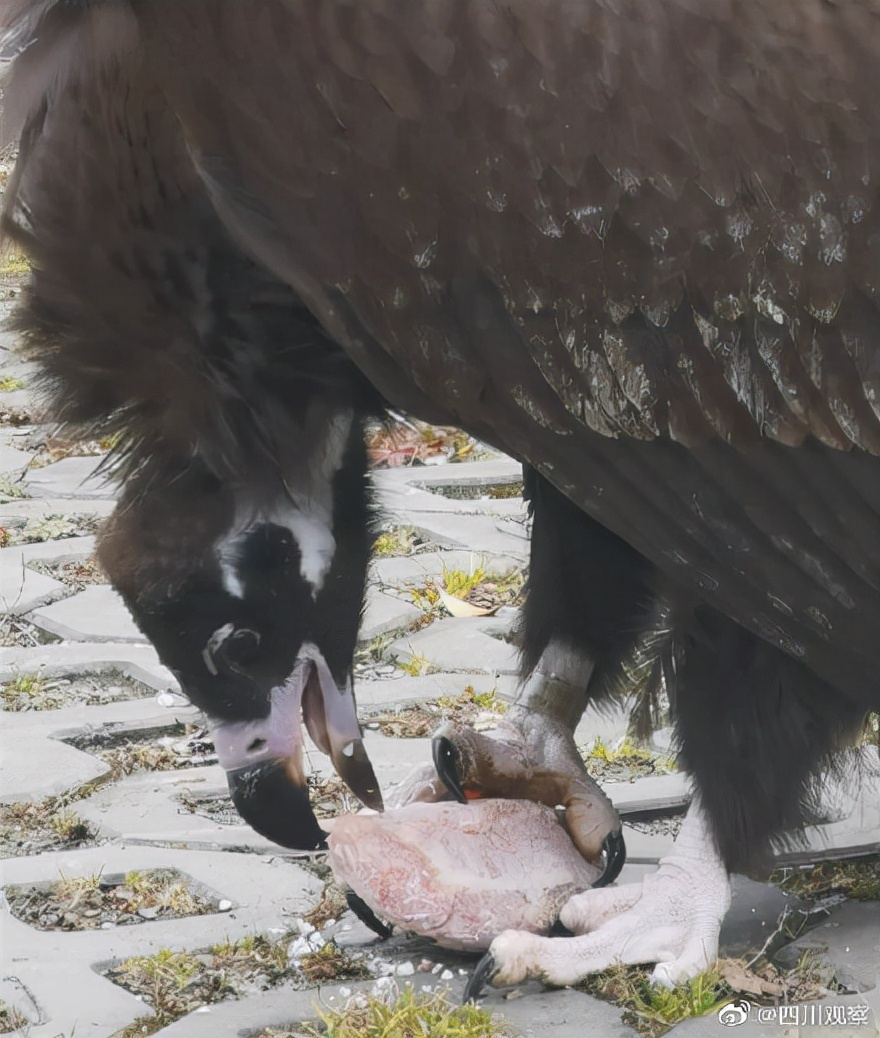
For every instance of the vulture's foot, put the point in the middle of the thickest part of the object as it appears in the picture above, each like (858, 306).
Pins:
(532, 757)
(672, 918)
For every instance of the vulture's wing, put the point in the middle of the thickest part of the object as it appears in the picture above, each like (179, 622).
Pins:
(637, 244)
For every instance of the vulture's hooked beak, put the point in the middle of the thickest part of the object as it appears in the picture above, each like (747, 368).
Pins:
(263, 759)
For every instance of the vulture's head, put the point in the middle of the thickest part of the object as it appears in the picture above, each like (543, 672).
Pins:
(251, 594)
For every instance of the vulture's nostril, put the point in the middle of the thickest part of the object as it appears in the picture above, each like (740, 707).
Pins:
(256, 746)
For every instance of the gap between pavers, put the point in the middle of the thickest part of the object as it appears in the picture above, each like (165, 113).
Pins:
(539, 1014)
(139, 662)
(474, 473)
(97, 614)
(58, 967)
(19, 511)
(23, 589)
(398, 570)
(36, 760)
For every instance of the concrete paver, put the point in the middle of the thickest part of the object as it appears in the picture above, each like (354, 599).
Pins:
(69, 478)
(97, 614)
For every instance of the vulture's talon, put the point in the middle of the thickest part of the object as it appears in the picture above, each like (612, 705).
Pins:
(484, 973)
(447, 763)
(559, 929)
(367, 916)
(613, 856)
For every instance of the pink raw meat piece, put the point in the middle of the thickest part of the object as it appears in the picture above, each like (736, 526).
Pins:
(460, 873)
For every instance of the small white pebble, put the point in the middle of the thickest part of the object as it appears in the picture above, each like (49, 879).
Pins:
(437, 968)
(316, 941)
(345, 992)
(425, 966)
(204, 1009)
(405, 969)
(224, 905)
(298, 948)
(447, 975)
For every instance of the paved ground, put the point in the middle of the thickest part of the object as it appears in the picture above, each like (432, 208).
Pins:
(81, 643)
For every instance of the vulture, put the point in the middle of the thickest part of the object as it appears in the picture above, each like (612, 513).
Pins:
(634, 244)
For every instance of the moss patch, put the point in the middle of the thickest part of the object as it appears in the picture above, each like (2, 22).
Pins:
(77, 575)
(93, 902)
(10, 1019)
(175, 983)
(856, 878)
(407, 1015)
(625, 762)
(53, 528)
(33, 691)
(50, 824)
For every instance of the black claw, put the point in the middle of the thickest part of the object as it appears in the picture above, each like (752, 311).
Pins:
(614, 853)
(559, 929)
(447, 764)
(484, 973)
(367, 916)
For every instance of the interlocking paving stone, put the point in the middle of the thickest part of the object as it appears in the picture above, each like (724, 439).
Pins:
(397, 572)
(848, 941)
(23, 589)
(59, 967)
(36, 768)
(137, 661)
(384, 613)
(375, 696)
(13, 460)
(69, 478)
(18, 511)
(462, 644)
(97, 614)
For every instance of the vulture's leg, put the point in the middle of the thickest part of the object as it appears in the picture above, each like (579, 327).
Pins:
(588, 599)
(672, 918)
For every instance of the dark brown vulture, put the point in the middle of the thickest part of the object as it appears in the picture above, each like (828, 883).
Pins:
(634, 244)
